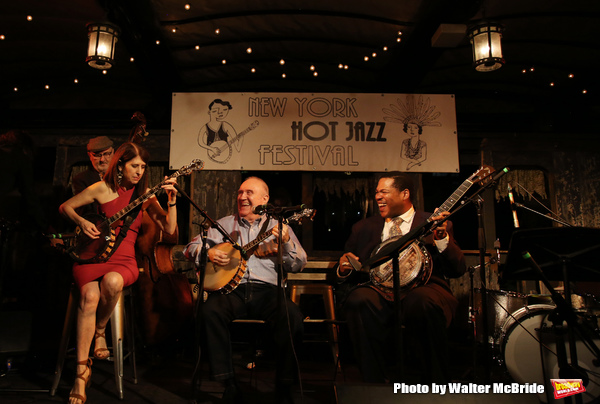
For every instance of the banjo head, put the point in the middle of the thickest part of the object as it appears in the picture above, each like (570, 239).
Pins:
(415, 267)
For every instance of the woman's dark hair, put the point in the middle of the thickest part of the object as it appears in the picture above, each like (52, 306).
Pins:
(127, 151)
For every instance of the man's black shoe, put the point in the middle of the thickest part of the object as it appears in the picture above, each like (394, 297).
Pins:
(232, 394)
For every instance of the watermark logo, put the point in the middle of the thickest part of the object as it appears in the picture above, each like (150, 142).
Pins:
(567, 387)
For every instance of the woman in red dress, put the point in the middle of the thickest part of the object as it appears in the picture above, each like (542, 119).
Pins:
(100, 284)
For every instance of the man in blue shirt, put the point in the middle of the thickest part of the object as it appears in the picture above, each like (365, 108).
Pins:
(256, 296)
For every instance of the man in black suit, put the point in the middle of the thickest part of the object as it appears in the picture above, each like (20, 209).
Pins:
(426, 310)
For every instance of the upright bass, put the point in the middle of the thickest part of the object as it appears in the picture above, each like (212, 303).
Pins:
(165, 300)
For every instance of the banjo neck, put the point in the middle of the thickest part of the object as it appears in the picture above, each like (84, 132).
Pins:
(194, 165)
(481, 174)
(295, 218)
(251, 246)
(454, 198)
(135, 203)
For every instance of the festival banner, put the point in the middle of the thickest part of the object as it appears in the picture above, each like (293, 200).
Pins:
(315, 132)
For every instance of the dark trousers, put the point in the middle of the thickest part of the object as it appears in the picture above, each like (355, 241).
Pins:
(254, 301)
(425, 313)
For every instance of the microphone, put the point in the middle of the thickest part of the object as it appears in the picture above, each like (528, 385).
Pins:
(260, 209)
(268, 208)
(292, 208)
(499, 174)
(512, 206)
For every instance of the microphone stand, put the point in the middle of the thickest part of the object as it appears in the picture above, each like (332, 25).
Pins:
(478, 201)
(277, 213)
(393, 250)
(561, 220)
(212, 223)
(279, 259)
(206, 224)
(564, 312)
(519, 205)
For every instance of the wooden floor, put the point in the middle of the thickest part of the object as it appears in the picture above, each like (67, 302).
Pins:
(164, 376)
(164, 372)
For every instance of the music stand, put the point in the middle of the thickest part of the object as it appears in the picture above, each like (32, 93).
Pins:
(559, 254)
(554, 248)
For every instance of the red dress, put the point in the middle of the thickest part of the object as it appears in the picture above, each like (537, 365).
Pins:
(123, 259)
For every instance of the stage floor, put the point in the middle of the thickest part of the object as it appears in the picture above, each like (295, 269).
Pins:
(164, 377)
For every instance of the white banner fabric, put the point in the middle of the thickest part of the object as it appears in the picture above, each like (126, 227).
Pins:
(315, 132)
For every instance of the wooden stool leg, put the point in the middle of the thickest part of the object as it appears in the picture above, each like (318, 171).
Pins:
(70, 318)
(326, 291)
(117, 326)
(333, 331)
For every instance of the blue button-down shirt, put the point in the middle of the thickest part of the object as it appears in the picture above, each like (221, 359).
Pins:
(258, 269)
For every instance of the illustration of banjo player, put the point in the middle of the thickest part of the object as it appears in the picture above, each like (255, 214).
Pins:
(218, 136)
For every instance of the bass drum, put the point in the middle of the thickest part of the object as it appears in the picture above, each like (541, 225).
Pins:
(528, 360)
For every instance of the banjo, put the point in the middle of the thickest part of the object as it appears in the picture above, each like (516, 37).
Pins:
(415, 261)
(223, 149)
(87, 250)
(225, 278)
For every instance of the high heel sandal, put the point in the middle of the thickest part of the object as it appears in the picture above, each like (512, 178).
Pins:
(86, 380)
(100, 353)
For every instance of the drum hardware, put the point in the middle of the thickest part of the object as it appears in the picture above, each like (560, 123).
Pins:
(528, 350)
(501, 305)
(564, 253)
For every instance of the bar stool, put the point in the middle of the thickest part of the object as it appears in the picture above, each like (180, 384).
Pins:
(326, 291)
(119, 326)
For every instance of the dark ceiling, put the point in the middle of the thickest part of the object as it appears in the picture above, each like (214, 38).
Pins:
(544, 42)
